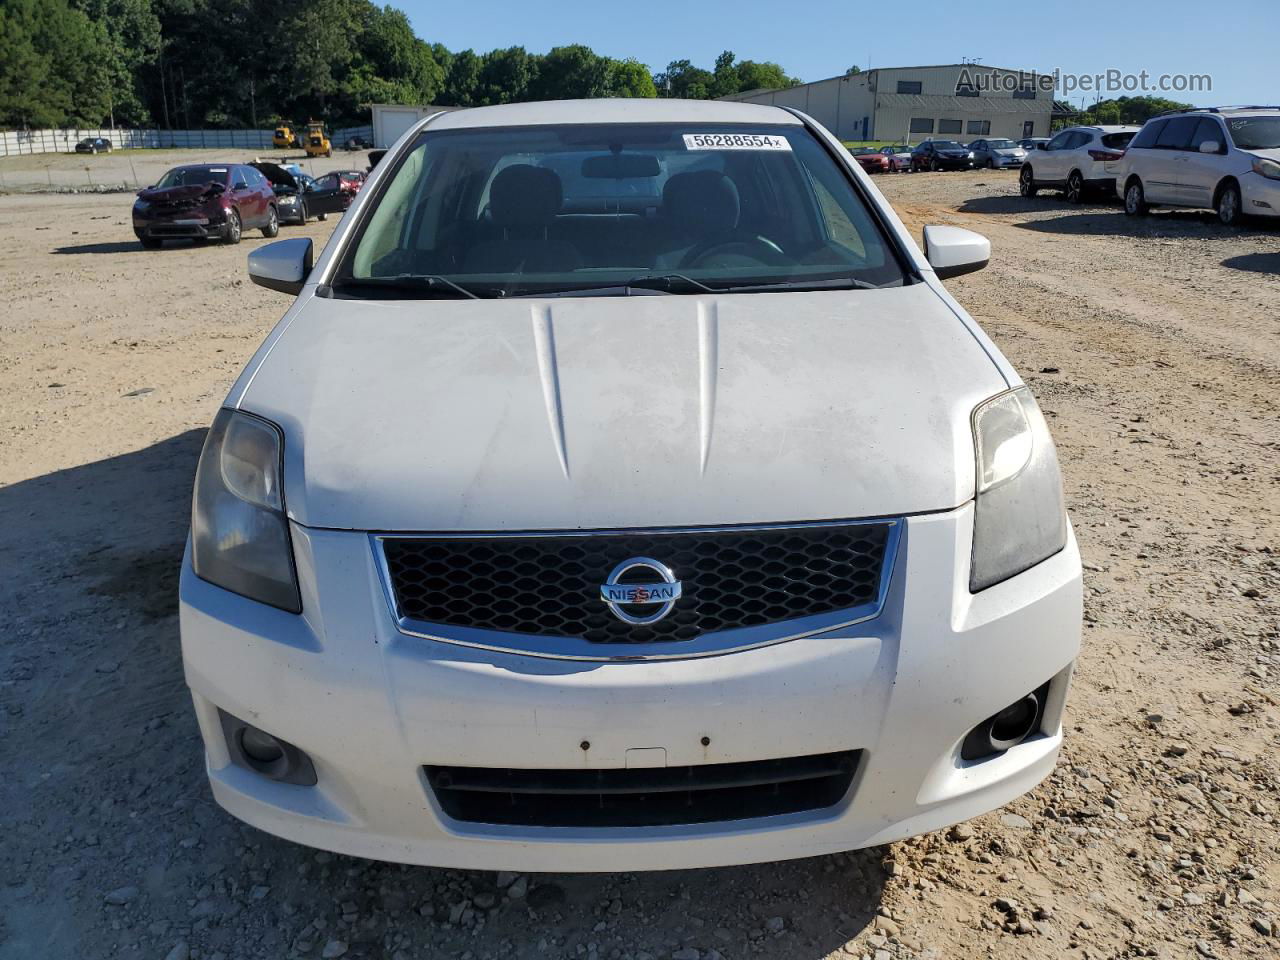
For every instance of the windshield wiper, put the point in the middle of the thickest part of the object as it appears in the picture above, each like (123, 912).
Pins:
(417, 281)
(671, 281)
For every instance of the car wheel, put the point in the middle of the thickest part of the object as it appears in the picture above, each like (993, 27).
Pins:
(322, 216)
(933, 164)
(231, 232)
(302, 212)
(1027, 183)
(1135, 199)
(273, 223)
(1228, 205)
(1075, 187)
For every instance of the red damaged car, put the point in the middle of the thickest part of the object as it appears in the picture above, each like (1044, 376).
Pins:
(206, 201)
(870, 159)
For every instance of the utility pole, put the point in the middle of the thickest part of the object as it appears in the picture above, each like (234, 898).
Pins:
(164, 98)
(253, 102)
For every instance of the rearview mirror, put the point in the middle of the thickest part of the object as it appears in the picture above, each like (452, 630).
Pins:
(954, 251)
(282, 266)
(1210, 146)
(622, 166)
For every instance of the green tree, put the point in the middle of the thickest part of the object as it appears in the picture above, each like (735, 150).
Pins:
(630, 78)
(505, 76)
(724, 78)
(572, 72)
(762, 76)
(684, 81)
(461, 88)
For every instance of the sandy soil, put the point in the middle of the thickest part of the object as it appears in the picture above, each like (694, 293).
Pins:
(1154, 347)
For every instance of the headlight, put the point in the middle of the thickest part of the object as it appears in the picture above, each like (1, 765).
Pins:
(970, 154)
(1019, 517)
(1267, 168)
(239, 532)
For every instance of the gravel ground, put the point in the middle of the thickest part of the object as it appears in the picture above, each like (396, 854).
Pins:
(1154, 346)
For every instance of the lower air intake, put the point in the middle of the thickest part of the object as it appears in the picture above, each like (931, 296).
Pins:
(707, 793)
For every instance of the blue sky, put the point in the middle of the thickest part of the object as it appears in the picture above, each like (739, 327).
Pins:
(813, 39)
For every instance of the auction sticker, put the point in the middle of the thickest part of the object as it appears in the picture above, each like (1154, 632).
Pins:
(735, 141)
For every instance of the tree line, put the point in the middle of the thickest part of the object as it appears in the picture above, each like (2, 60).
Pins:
(255, 63)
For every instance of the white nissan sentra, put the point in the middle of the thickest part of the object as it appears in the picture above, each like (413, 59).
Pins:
(623, 490)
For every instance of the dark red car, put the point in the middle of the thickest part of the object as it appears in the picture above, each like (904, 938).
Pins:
(206, 201)
(870, 159)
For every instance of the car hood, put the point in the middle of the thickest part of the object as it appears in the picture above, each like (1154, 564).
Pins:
(276, 175)
(1271, 154)
(1008, 151)
(187, 191)
(622, 411)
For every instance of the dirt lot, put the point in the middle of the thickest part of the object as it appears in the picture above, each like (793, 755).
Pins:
(1154, 346)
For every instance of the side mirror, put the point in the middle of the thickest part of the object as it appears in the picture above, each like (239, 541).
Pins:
(240, 185)
(1210, 146)
(282, 266)
(953, 251)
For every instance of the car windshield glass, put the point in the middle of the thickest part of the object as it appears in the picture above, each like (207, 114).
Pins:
(946, 145)
(1001, 144)
(1255, 133)
(523, 211)
(187, 176)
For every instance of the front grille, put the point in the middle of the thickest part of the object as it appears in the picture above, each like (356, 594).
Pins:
(550, 585)
(665, 796)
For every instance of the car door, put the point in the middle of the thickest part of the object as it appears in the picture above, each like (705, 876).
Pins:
(326, 196)
(1163, 182)
(1050, 163)
(1199, 173)
(979, 148)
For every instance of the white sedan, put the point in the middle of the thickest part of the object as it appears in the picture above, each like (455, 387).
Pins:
(623, 490)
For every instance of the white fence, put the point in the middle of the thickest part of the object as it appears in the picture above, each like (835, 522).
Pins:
(23, 142)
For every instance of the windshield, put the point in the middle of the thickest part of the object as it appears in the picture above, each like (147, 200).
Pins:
(542, 210)
(188, 176)
(1001, 144)
(947, 145)
(1255, 133)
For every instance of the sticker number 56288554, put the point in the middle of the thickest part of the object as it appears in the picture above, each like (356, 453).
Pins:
(735, 141)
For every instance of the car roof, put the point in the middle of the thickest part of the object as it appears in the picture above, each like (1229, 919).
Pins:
(612, 111)
(1103, 128)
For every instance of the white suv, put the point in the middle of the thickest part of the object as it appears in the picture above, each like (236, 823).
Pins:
(1077, 160)
(624, 490)
(1222, 158)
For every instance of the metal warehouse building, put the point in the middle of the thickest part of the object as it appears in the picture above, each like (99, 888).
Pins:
(959, 101)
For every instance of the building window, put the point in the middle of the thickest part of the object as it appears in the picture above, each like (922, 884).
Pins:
(949, 126)
(980, 128)
(966, 90)
(910, 86)
(921, 125)
(1025, 93)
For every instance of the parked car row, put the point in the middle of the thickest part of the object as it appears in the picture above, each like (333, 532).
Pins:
(219, 201)
(997, 153)
(1225, 159)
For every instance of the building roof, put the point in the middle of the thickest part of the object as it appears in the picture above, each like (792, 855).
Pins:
(612, 111)
(866, 73)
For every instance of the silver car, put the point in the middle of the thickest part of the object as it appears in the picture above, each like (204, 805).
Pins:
(997, 153)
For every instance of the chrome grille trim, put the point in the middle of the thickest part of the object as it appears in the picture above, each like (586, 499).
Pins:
(578, 649)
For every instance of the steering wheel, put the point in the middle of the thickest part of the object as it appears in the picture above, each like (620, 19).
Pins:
(760, 249)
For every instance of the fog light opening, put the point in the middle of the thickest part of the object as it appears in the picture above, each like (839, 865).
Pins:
(1004, 730)
(260, 746)
(1014, 723)
(265, 754)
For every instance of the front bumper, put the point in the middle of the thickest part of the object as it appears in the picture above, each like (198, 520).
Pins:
(195, 225)
(1006, 163)
(372, 706)
(1259, 196)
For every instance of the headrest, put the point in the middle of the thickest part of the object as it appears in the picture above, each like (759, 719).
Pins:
(704, 202)
(525, 196)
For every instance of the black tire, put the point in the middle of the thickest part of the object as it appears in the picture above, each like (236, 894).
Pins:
(1027, 183)
(302, 212)
(150, 243)
(933, 165)
(1074, 190)
(1135, 198)
(272, 227)
(231, 232)
(1228, 206)
(322, 216)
